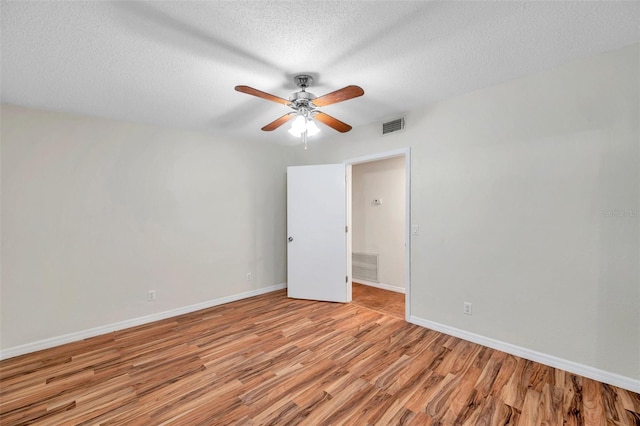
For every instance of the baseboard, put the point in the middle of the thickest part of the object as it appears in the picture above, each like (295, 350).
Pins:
(92, 332)
(552, 361)
(380, 285)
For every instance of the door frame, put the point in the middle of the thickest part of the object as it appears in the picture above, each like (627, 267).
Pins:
(402, 152)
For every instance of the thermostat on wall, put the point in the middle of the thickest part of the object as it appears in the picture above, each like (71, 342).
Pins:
(377, 201)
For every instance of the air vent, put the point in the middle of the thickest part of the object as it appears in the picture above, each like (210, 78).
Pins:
(365, 266)
(393, 126)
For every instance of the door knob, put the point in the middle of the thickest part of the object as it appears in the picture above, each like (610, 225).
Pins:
(290, 239)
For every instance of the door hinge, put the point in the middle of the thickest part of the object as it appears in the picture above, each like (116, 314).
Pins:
(346, 229)
(346, 279)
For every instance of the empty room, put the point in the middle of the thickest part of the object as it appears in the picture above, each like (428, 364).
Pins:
(320, 213)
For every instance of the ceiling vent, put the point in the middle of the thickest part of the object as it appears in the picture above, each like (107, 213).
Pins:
(393, 126)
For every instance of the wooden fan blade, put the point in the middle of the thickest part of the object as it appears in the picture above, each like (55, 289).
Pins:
(339, 95)
(278, 122)
(332, 122)
(264, 95)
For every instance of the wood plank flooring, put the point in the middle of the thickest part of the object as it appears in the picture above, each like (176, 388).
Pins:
(270, 360)
(384, 301)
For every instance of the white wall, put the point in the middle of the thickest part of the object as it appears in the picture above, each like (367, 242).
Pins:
(96, 212)
(379, 228)
(513, 188)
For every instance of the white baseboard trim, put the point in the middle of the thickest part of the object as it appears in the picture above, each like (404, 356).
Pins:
(92, 332)
(380, 285)
(550, 360)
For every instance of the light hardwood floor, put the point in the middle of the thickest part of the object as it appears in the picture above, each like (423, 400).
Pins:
(384, 301)
(274, 360)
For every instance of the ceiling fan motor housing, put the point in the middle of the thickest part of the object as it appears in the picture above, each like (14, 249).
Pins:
(302, 99)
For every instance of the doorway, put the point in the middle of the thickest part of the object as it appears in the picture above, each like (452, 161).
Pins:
(378, 215)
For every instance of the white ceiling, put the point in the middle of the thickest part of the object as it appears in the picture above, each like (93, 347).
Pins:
(176, 63)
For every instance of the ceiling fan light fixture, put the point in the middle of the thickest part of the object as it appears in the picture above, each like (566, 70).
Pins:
(298, 126)
(301, 125)
(312, 128)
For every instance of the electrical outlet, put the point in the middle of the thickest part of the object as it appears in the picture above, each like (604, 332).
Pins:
(467, 308)
(151, 295)
(248, 276)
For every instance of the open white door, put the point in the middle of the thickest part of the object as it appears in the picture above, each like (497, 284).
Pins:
(316, 222)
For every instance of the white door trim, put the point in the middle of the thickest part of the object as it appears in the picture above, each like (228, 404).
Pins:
(406, 152)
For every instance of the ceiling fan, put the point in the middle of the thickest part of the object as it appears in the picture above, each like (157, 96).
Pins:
(304, 106)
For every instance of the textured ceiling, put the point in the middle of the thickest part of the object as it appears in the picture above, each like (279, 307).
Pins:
(176, 63)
